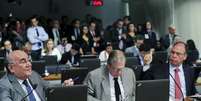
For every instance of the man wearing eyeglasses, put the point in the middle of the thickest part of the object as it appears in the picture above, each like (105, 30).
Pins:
(181, 76)
(113, 82)
(20, 83)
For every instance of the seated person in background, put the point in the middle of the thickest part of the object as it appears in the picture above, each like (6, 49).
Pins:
(4, 52)
(112, 82)
(193, 54)
(133, 49)
(182, 82)
(20, 80)
(51, 50)
(64, 46)
(72, 58)
(105, 53)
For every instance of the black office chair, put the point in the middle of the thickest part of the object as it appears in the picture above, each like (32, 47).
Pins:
(50, 60)
(39, 66)
(130, 61)
(160, 57)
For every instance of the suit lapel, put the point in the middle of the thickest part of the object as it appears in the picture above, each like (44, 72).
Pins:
(187, 79)
(105, 83)
(38, 90)
(17, 86)
(125, 82)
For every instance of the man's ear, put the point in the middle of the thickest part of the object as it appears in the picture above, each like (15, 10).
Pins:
(10, 68)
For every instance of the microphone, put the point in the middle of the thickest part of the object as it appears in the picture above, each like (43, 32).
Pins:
(177, 85)
(34, 86)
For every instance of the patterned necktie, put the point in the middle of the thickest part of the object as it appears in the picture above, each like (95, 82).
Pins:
(29, 90)
(117, 89)
(178, 93)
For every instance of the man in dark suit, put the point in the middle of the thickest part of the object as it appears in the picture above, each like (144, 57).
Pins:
(181, 77)
(169, 38)
(7, 49)
(113, 82)
(20, 81)
(72, 57)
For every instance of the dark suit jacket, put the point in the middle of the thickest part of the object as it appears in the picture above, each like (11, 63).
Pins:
(162, 72)
(152, 41)
(67, 57)
(11, 90)
(165, 41)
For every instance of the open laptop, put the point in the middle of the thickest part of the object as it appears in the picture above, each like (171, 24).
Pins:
(77, 74)
(39, 66)
(90, 63)
(50, 60)
(69, 93)
(152, 90)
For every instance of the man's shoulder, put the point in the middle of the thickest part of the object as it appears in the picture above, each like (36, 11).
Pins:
(5, 82)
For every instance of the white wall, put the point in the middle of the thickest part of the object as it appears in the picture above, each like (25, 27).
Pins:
(188, 20)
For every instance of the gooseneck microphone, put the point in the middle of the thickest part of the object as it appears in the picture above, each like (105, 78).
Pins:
(34, 86)
(177, 85)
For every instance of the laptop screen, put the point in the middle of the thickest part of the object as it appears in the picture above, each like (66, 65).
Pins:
(69, 93)
(152, 90)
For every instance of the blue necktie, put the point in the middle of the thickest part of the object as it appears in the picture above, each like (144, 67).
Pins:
(29, 90)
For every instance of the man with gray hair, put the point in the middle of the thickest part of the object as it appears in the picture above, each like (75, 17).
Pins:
(112, 82)
(20, 83)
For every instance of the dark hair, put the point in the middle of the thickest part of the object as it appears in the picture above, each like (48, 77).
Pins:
(76, 47)
(190, 44)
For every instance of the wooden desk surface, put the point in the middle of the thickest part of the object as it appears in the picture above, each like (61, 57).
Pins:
(53, 77)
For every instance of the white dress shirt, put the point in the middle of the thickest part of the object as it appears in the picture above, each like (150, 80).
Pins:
(55, 51)
(34, 38)
(62, 49)
(24, 88)
(112, 90)
(103, 57)
(172, 82)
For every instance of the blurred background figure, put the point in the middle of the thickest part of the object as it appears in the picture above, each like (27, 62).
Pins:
(105, 53)
(51, 50)
(64, 46)
(71, 58)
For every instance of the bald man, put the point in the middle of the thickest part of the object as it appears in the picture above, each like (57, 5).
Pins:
(20, 80)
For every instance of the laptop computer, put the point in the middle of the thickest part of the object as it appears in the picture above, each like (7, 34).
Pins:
(39, 66)
(77, 74)
(50, 60)
(69, 93)
(152, 90)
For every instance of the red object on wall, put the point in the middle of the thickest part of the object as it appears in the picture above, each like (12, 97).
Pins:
(97, 2)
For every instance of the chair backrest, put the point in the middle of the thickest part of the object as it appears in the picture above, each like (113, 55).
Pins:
(130, 61)
(152, 90)
(160, 57)
(138, 71)
(69, 93)
(90, 63)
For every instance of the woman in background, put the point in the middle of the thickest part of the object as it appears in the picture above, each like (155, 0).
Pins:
(51, 50)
